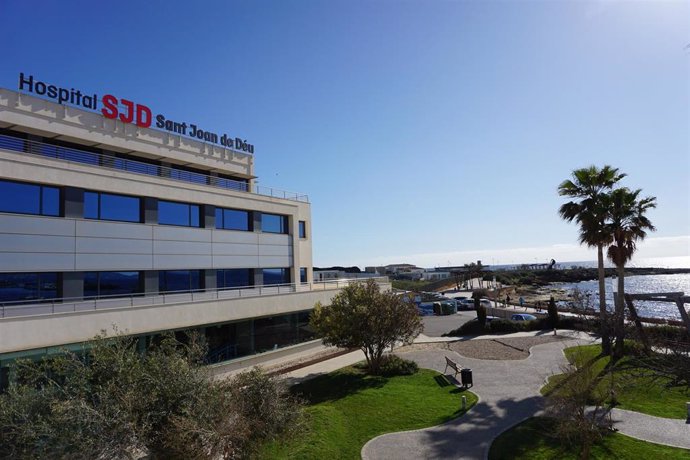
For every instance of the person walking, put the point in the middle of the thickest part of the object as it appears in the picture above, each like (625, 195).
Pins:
(507, 301)
(522, 303)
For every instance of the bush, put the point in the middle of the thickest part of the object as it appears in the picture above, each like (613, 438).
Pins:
(469, 328)
(393, 365)
(111, 401)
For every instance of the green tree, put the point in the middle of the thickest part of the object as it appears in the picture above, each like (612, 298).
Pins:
(628, 224)
(589, 186)
(361, 316)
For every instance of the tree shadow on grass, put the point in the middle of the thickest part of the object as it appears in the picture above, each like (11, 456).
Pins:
(337, 385)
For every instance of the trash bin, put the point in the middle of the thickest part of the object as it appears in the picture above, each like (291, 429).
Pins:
(466, 377)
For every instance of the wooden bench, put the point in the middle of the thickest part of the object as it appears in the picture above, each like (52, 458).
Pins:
(453, 365)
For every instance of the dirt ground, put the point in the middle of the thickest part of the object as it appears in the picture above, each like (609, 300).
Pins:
(498, 348)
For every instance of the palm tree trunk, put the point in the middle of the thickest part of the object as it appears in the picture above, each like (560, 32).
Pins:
(620, 314)
(603, 313)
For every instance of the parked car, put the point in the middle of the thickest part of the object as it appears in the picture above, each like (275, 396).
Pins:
(486, 303)
(466, 304)
(522, 317)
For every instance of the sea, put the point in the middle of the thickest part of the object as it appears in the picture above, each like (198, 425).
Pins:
(640, 284)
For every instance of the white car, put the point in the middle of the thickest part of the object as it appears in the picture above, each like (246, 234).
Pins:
(523, 317)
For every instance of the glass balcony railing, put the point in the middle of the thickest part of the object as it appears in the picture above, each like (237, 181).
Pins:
(102, 160)
(34, 307)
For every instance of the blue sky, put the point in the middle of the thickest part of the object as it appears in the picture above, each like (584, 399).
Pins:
(425, 132)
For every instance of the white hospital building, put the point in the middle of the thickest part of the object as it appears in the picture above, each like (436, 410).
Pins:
(108, 223)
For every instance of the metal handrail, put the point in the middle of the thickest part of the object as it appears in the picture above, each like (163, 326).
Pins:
(40, 307)
(103, 160)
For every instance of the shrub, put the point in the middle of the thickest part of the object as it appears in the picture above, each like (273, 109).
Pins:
(393, 365)
(469, 328)
(111, 401)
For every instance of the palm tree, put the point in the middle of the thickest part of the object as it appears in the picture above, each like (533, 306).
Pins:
(627, 224)
(590, 185)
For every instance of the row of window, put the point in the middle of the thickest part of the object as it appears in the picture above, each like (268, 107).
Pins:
(25, 198)
(30, 286)
(224, 341)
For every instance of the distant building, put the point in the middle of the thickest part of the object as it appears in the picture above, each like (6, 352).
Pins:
(433, 275)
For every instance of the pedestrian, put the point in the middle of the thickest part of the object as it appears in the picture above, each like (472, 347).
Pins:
(507, 300)
(522, 302)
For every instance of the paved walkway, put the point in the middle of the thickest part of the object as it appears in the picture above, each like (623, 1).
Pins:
(509, 393)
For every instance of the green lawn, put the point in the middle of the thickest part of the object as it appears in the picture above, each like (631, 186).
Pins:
(347, 408)
(635, 389)
(529, 440)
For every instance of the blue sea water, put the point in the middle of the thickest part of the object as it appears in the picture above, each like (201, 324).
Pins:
(641, 284)
(655, 262)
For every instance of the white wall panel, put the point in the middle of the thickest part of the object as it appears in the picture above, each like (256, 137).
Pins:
(230, 236)
(34, 225)
(221, 262)
(181, 234)
(36, 243)
(274, 238)
(35, 262)
(103, 229)
(113, 262)
(274, 262)
(181, 248)
(181, 262)
(114, 246)
(269, 250)
(229, 249)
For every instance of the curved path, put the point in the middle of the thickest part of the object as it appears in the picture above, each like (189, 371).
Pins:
(508, 393)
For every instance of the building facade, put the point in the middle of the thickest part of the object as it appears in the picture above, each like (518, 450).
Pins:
(108, 225)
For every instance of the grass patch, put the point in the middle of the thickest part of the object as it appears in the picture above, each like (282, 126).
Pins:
(347, 408)
(530, 440)
(636, 389)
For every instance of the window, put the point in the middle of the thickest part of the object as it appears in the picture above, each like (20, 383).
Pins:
(302, 229)
(24, 198)
(171, 213)
(111, 283)
(276, 276)
(303, 275)
(233, 219)
(106, 206)
(236, 277)
(274, 223)
(179, 280)
(28, 286)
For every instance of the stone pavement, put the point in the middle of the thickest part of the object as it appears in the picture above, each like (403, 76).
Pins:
(669, 431)
(508, 394)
